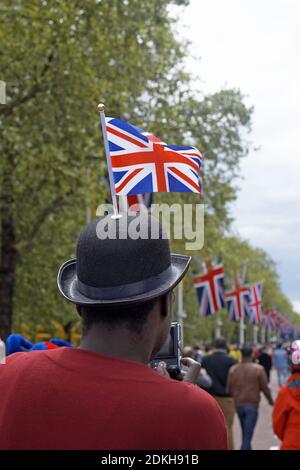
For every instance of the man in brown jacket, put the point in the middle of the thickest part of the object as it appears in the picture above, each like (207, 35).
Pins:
(245, 382)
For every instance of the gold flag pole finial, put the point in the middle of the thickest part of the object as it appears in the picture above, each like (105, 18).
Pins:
(101, 107)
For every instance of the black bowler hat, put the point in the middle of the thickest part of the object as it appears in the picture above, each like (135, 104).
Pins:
(121, 270)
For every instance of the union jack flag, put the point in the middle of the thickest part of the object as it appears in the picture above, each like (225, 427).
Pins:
(277, 319)
(141, 163)
(255, 307)
(237, 301)
(265, 321)
(269, 319)
(210, 288)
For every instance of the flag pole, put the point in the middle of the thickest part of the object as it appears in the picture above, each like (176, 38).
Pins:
(219, 324)
(242, 331)
(263, 334)
(123, 204)
(116, 215)
(206, 267)
(238, 281)
(255, 331)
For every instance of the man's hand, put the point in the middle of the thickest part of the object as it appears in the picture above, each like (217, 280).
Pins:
(190, 375)
(161, 369)
(193, 369)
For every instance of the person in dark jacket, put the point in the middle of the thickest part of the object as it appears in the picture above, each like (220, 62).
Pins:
(265, 360)
(217, 366)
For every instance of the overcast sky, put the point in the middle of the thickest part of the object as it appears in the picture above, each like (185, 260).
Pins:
(255, 45)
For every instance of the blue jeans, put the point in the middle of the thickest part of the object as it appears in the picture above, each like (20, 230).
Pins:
(248, 415)
(282, 375)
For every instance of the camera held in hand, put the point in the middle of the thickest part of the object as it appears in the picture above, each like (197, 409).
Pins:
(170, 351)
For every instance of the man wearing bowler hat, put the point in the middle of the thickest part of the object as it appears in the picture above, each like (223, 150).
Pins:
(104, 395)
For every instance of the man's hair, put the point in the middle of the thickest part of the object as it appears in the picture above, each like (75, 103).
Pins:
(132, 316)
(247, 351)
(187, 351)
(220, 343)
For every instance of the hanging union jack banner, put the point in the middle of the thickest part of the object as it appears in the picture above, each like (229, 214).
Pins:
(274, 320)
(255, 308)
(141, 163)
(268, 320)
(210, 288)
(237, 300)
(278, 320)
(265, 322)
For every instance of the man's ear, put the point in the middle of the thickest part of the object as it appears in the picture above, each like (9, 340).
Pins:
(164, 305)
(78, 308)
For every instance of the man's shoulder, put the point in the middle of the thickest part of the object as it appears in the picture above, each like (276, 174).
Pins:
(224, 359)
(258, 367)
(186, 394)
(235, 368)
(230, 360)
(16, 365)
(278, 352)
(21, 362)
(22, 356)
(196, 406)
(188, 406)
(18, 359)
(253, 369)
(206, 358)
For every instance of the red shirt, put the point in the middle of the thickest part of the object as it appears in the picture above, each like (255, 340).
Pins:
(76, 399)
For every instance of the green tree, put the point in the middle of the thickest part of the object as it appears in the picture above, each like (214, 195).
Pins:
(59, 59)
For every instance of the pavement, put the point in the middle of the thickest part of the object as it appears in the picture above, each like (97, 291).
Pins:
(263, 438)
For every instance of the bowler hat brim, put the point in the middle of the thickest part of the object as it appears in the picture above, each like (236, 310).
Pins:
(69, 285)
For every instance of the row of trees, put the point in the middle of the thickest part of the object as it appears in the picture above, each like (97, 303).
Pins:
(235, 254)
(59, 59)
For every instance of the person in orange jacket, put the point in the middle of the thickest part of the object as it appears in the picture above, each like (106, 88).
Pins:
(286, 412)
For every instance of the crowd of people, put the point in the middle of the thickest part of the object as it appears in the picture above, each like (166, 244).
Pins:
(236, 377)
(104, 395)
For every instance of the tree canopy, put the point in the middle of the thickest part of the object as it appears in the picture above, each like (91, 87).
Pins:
(59, 59)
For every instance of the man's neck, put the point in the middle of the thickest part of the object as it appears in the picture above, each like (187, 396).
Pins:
(118, 343)
(246, 359)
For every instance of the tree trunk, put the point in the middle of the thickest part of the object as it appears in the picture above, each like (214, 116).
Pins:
(8, 253)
